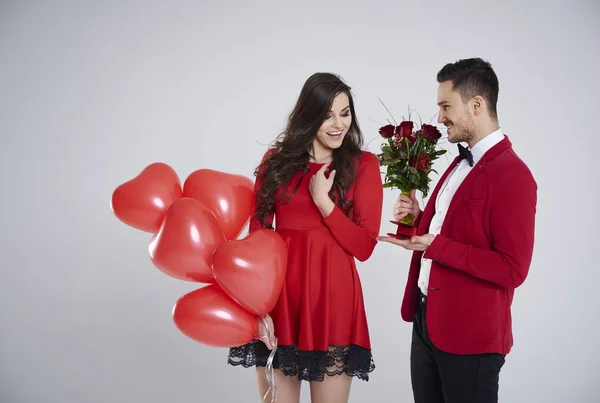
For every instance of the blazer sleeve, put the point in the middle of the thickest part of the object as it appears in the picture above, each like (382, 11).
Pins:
(512, 227)
(360, 238)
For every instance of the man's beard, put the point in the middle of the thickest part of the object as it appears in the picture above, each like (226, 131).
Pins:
(464, 134)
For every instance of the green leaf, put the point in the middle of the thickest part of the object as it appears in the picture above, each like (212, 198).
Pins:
(390, 162)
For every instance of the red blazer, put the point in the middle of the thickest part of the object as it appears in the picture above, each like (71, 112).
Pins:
(481, 255)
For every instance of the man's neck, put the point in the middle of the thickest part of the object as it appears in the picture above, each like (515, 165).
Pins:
(484, 131)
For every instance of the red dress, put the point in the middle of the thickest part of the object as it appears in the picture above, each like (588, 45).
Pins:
(320, 319)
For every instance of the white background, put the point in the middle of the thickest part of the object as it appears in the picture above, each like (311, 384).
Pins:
(92, 92)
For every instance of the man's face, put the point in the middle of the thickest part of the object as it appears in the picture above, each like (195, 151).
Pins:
(454, 114)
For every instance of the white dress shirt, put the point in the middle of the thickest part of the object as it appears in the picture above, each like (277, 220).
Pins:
(446, 193)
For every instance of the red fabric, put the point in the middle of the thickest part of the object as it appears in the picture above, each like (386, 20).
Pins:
(403, 231)
(321, 303)
(481, 256)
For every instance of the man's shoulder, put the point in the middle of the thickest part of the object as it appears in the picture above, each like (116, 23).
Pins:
(509, 166)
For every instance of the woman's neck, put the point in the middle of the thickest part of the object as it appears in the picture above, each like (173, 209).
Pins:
(320, 156)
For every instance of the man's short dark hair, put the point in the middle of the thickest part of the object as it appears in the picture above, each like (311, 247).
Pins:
(471, 77)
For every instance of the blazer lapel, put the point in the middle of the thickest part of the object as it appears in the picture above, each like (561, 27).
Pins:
(476, 171)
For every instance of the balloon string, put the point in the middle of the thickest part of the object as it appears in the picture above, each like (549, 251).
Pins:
(269, 370)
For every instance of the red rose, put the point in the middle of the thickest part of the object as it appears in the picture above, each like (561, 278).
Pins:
(400, 142)
(431, 133)
(421, 161)
(386, 131)
(405, 129)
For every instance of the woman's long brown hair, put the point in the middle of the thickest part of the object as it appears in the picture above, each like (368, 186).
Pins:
(290, 153)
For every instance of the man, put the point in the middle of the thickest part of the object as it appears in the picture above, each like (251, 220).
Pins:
(473, 247)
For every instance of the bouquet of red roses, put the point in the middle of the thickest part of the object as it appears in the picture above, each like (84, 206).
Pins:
(408, 155)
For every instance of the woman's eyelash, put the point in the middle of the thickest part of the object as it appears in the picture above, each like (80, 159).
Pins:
(345, 115)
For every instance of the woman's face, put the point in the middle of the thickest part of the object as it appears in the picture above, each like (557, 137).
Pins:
(335, 127)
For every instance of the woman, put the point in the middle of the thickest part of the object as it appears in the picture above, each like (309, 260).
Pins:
(326, 197)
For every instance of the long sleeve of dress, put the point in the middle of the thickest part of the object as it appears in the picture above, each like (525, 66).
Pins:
(255, 223)
(359, 238)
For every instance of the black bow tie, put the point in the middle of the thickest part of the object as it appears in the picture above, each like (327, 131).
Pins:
(465, 153)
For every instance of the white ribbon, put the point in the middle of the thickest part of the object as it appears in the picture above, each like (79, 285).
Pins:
(269, 370)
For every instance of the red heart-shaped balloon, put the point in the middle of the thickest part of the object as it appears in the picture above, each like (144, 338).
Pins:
(228, 196)
(210, 317)
(252, 270)
(187, 238)
(143, 201)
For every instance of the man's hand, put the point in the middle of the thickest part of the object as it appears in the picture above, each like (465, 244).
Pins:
(406, 205)
(418, 243)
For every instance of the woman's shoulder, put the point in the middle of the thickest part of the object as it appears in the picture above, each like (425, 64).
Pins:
(368, 160)
(264, 163)
(268, 153)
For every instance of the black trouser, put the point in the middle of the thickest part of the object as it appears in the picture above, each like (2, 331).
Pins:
(440, 377)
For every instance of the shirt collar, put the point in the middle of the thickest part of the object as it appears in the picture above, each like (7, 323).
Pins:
(486, 143)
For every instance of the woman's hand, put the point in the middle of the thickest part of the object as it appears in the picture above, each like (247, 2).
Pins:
(267, 336)
(319, 188)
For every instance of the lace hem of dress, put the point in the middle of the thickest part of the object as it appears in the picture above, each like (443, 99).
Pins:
(309, 366)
